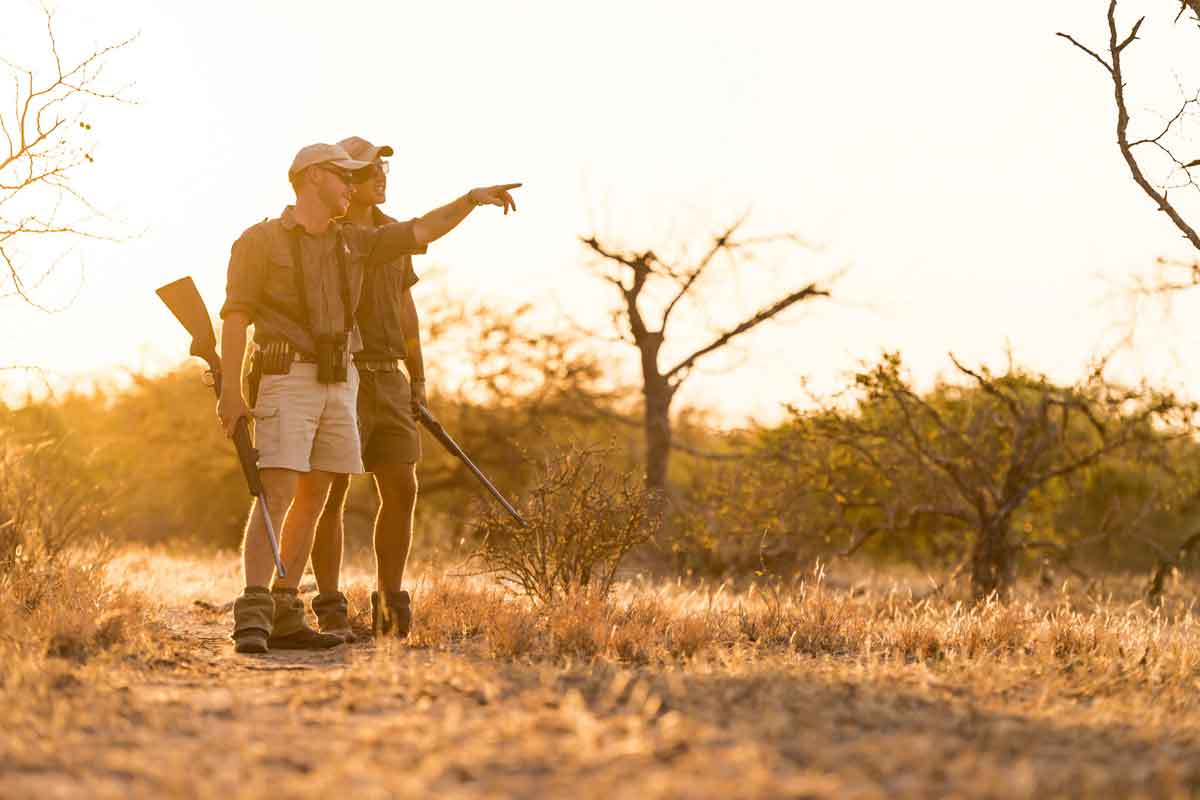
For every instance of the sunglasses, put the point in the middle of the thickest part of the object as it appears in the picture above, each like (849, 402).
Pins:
(340, 174)
(367, 173)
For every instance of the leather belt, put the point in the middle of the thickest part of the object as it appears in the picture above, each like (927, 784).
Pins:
(377, 364)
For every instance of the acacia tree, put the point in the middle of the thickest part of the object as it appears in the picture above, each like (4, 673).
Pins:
(651, 291)
(47, 142)
(1178, 172)
(965, 460)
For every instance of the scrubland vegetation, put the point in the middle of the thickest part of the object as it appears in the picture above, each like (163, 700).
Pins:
(733, 651)
(978, 590)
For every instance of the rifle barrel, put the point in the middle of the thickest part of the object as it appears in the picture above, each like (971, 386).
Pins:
(439, 432)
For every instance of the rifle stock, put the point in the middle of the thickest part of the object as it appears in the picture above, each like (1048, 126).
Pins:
(184, 300)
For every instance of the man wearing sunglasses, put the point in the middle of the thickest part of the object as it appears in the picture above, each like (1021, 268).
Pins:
(391, 443)
(298, 278)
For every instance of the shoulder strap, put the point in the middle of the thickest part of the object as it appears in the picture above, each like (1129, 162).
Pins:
(344, 277)
(298, 276)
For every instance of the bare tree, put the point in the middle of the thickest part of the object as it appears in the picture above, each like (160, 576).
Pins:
(639, 277)
(1180, 172)
(966, 460)
(47, 143)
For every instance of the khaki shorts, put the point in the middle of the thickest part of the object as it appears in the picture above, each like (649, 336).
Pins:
(303, 425)
(385, 420)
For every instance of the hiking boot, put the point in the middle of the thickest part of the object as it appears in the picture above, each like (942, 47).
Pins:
(290, 631)
(393, 617)
(253, 613)
(333, 615)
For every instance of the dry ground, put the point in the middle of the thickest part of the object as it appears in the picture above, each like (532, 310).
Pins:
(668, 691)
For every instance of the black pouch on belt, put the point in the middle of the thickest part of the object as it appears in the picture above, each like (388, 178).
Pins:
(332, 356)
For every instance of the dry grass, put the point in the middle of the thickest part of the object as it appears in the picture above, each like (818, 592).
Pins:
(57, 609)
(814, 689)
(673, 625)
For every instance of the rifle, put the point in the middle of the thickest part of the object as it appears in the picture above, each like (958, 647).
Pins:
(185, 302)
(439, 433)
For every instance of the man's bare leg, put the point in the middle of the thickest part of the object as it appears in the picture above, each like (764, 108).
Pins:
(397, 486)
(329, 544)
(300, 525)
(391, 606)
(254, 610)
(330, 605)
(288, 628)
(258, 563)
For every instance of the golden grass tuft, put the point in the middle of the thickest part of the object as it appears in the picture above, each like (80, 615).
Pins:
(56, 619)
(56, 603)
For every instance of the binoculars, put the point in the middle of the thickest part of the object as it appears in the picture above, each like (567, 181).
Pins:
(333, 356)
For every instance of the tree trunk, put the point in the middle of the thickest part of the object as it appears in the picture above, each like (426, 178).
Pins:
(658, 436)
(993, 561)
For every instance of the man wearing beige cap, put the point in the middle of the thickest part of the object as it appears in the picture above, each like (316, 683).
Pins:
(391, 442)
(297, 278)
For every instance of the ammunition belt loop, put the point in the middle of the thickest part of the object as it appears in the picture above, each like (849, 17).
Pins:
(276, 357)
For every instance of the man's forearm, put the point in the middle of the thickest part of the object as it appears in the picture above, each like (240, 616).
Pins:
(233, 351)
(437, 223)
(410, 325)
(414, 360)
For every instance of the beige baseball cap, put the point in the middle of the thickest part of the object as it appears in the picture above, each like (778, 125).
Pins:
(324, 154)
(363, 150)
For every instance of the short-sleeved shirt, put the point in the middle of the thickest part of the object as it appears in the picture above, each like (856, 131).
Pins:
(379, 308)
(262, 282)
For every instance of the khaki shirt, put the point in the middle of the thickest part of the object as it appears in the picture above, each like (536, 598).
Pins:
(261, 282)
(379, 308)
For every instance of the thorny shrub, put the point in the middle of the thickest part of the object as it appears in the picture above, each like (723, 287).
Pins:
(582, 520)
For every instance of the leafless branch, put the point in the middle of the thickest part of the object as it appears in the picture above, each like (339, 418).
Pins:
(764, 314)
(721, 242)
(1107, 67)
(46, 138)
(1116, 48)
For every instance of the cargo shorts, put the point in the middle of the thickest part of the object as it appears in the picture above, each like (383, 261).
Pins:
(303, 425)
(385, 420)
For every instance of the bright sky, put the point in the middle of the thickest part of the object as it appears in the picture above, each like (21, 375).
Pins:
(958, 162)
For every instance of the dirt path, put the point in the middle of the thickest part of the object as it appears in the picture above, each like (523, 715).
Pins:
(386, 720)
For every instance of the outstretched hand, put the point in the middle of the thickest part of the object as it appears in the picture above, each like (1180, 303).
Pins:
(495, 196)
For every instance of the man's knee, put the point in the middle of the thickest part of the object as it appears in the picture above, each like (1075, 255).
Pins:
(312, 489)
(279, 486)
(339, 487)
(397, 484)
